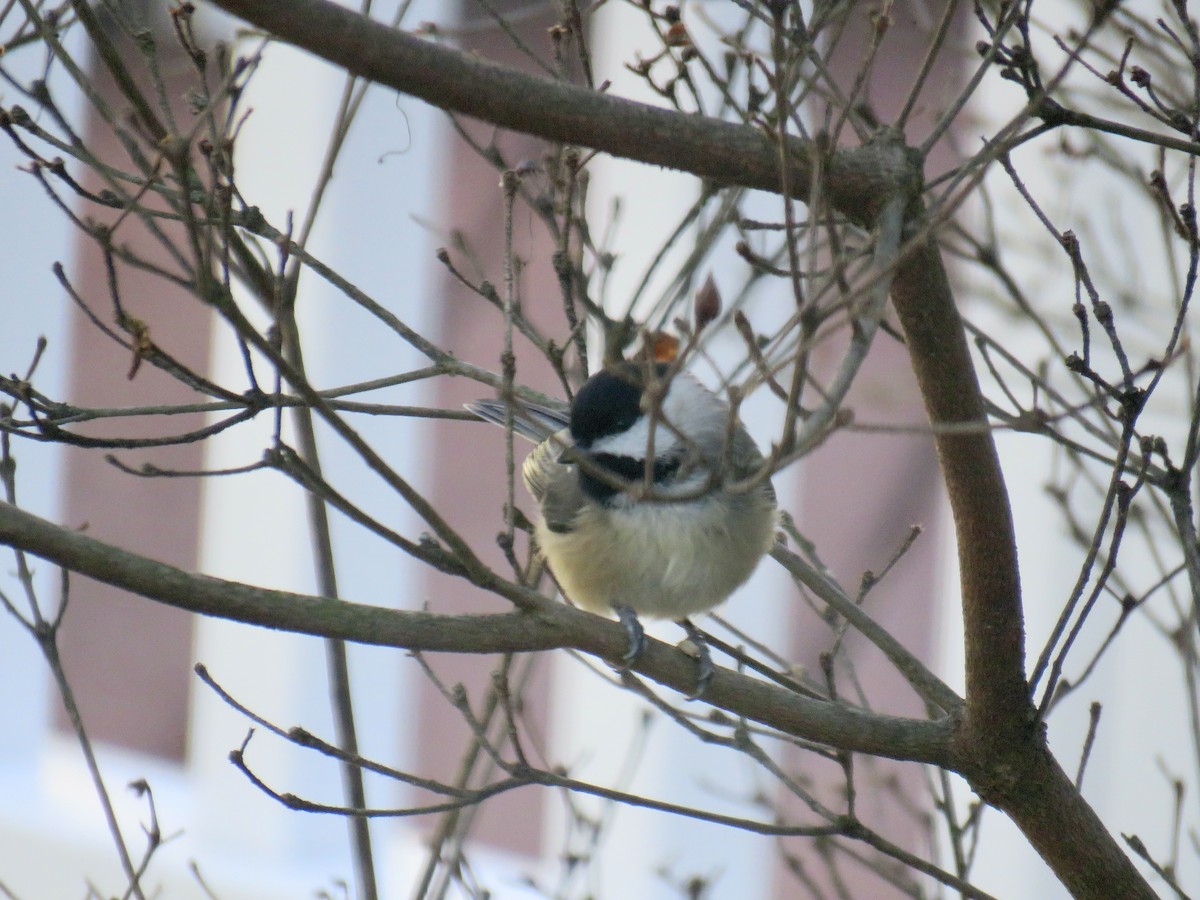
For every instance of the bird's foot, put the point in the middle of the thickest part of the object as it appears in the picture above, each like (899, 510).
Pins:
(635, 633)
(704, 663)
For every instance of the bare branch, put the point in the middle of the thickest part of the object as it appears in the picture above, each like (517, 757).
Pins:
(541, 625)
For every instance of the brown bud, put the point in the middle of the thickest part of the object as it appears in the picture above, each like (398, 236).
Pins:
(707, 305)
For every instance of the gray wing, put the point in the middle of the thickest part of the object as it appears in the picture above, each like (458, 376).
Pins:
(553, 484)
(748, 460)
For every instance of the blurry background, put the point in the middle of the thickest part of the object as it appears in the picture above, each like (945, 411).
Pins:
(406, 185)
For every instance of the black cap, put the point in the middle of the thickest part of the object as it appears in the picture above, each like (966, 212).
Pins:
(609, 402)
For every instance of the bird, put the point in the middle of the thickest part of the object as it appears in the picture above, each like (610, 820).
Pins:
(652, 497)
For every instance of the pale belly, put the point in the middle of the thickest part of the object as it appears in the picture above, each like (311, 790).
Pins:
(656, 562)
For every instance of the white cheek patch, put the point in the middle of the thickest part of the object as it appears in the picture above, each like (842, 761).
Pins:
(635, 440)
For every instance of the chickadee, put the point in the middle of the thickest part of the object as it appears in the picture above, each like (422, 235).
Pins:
(640, 510)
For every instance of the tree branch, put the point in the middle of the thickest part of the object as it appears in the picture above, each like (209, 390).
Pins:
(998, 709)
(1005, 758)
(855, 180)
(541, 625)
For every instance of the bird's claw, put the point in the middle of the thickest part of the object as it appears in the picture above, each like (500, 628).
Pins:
(637, 644)
(704, 662)
(635, 633)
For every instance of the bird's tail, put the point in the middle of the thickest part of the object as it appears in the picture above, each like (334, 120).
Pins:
(532, 421)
